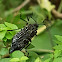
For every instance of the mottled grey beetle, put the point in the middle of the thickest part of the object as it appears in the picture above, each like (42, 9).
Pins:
(23, 37)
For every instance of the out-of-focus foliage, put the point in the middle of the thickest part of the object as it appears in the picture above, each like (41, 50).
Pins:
(47, 5)
(8, 5)
(3, 51)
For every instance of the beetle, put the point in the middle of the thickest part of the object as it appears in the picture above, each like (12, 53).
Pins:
(24, 36)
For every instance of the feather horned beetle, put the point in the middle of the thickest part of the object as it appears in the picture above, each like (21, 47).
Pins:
(23, 37)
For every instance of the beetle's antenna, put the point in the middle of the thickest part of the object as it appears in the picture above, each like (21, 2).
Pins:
(30, 16)
(23, 19)
(42, 22)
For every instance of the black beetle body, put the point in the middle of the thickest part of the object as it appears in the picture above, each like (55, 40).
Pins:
(23, 37)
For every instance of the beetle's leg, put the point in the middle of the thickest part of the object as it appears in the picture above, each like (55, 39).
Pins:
(28, 18)
(36, 34)
(26, 54)
(30, 15)
(26, 49)
(27, 45)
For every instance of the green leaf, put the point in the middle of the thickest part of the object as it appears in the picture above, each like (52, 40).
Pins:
(13, 32)
(31, 59)
(51, 55)
(6, 28)
(12, 26)
(2, 34)
(3, 51)
(57, 53)
(59, 37)
(58, 59)
(9, 35)
(58, 47)
(14, 60)
(58, 42)
(47, 60)
(17, 54)
(2, 26)
(38, 60)
(24, 58)
(33, 54)
(5, 39)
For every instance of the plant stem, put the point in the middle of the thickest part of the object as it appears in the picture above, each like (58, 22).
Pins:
(60, 7)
